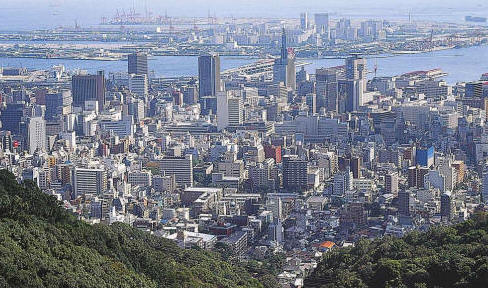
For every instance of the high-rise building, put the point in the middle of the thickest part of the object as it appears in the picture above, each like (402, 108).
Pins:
(304, 21)
(474, 90)
(447, 207)
(355, 67)
(350, 94)
(342, 182)
(356, 167)
(322, 23)
(311, 100)
(209, 75)
(137, 64)
(89, 181)
(36, 134)
(391, 183)
(139, 85)
(58, 104)
(484, 187)
(416, 176)
(404, 203)
(11, 117)
(88, 88)
(229, 110)
(284, 68)
(326, 89)
(425, 156)
(294, 173)
(180, 167)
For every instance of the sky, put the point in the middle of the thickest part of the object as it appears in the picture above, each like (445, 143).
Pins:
(29, 14)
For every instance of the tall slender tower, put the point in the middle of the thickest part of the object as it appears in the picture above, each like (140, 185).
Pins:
(284, 69)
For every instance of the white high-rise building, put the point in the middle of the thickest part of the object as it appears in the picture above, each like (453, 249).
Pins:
(89, 181)
(139, 85)
(36, 134)
(229, 110)
(180, 167)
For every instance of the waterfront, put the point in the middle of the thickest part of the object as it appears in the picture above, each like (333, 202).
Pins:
(465, 64)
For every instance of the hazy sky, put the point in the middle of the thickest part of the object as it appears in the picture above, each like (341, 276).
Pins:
(48, 13)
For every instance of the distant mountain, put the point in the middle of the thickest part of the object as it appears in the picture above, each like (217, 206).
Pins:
(42, 245)
(455, 256)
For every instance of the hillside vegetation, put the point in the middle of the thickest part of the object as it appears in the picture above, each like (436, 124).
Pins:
(455, 256)
(42, 245)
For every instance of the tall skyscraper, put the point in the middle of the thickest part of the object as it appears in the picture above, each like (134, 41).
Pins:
(36, 134)
(180, 167)
(209, 82)
(322, 23)
(209, 75)
(88, 88)
(137, 64)
(284, 69)
(304, 21)
(229, 110)
(404, 203)
(89, 181)
(12, 116)
(326, 89)
(58, 104)
(294, 172)
(138, 84)
(391, 183)
(447, 206)
(355, 67)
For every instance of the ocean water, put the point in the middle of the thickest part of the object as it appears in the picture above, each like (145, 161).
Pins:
(465, 64)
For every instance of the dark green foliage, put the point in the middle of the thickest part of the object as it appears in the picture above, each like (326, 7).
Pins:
(454, 256)
(42, 245)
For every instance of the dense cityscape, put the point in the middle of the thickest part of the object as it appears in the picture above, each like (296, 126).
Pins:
(265, 163)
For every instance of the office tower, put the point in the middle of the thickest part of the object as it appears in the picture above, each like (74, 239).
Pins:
(11, 117)
(425, 156)
(209, 75)
(88, 88)
(342, 182)
(326, 89)
(474, 90)
(36, 134)
(89, 181)
(284, 69)
(355, 67)
(229, 110)
(122, 128)
(139, 85)
(136, 109)
(58, 104)
(322, 23)
(137, 64)
(294, 173)
(304, 21)
(356, 167)
(350, 95)
(140, 178)
(180, 167)
(447, 206)
(391, 183)
(311, 100)
(416, 176)
(404, 203)
(484, 187)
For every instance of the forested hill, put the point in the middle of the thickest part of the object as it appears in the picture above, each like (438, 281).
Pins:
(455, 256)
(42, 245)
